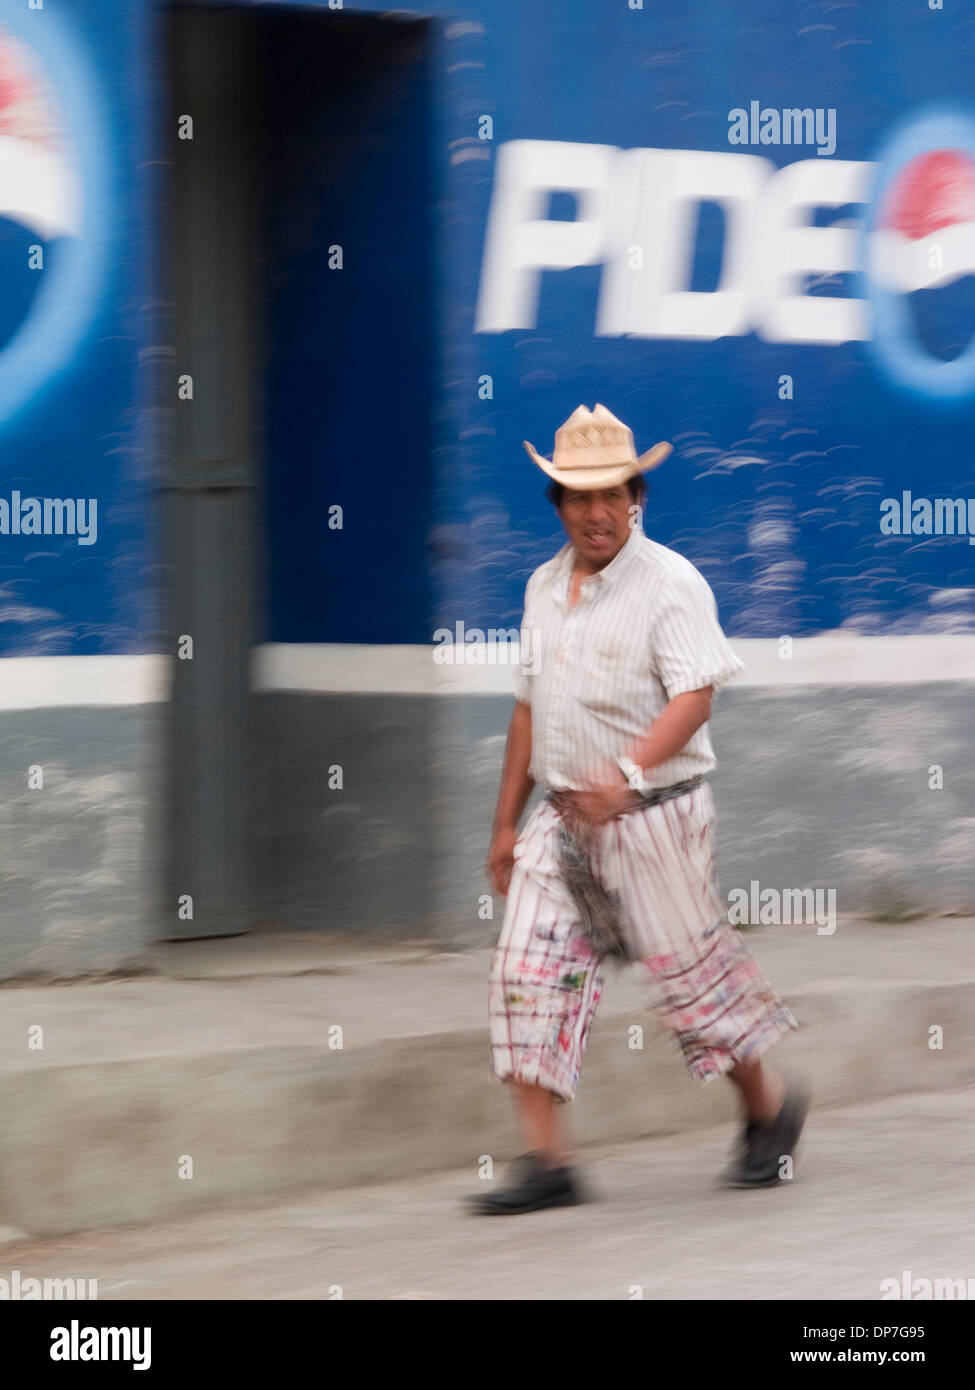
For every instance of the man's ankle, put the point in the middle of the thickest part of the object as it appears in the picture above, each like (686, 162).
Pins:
(550, 1158)
(774, 1095)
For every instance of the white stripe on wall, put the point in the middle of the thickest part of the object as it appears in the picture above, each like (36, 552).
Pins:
(833, 659)
(344, 666)
(43, 682)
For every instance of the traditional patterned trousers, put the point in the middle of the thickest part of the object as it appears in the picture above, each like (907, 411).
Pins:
(546, 979)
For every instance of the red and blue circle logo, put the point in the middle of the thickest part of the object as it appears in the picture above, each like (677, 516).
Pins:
(53, 205)
(918, 258)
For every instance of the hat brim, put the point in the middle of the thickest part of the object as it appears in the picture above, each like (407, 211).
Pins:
(586, 479)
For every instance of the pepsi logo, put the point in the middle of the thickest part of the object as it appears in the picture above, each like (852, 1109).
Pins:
(38, 186)
(919, 258)
(926, 232)
(53, 208)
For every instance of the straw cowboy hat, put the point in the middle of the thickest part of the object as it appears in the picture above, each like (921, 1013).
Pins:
(594, 450)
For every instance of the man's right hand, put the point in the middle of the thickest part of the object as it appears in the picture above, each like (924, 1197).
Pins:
(501, 859)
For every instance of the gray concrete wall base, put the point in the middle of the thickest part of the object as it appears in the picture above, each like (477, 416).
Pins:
(81, 868)
(354, 857)
(816, 787)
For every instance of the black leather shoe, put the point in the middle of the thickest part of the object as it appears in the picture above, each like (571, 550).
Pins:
(534, 1186)
(763, 1146)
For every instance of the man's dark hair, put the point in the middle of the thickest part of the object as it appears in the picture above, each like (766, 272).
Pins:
(636, 486)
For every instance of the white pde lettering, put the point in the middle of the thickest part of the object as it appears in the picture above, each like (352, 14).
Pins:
(651, 199)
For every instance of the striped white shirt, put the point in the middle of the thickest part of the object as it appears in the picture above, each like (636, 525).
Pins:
(644, 629)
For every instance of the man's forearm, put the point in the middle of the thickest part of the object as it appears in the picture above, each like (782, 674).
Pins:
(516, 784)
(673, 728)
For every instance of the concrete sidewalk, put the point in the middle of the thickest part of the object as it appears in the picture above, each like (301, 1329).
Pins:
(231, 1056)
(878, 1190)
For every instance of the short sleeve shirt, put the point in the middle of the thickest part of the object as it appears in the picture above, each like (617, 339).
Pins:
(644, 629)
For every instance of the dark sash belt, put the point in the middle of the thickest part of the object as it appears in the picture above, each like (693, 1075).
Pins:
(561, 800)
(600, 910)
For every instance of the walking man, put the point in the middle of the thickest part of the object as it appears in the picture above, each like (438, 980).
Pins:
(617, 862)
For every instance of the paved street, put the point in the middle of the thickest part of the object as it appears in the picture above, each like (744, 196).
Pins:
(880, 1188)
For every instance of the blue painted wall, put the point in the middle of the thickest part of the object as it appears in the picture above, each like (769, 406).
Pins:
(790, 541)
(777, 501)
(74, 80)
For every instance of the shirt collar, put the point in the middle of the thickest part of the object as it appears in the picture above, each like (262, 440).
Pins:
(602, 579)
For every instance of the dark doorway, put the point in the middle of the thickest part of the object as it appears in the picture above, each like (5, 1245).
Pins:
(299, 258)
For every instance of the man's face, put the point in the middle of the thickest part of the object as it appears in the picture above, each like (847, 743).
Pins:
(597, 523)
